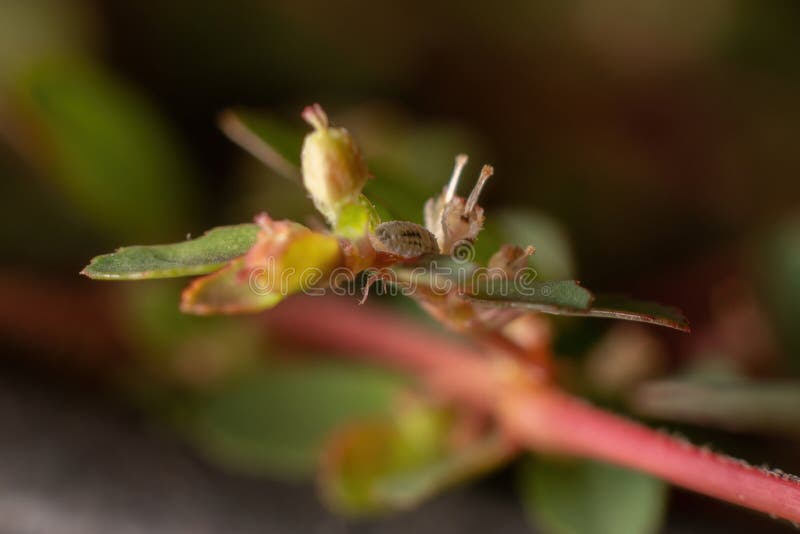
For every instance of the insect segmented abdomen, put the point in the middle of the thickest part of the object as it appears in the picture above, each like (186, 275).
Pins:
(405, 239)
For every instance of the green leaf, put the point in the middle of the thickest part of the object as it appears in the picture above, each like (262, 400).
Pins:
(619, 307)
(268, 139)
(587, 497)
(33, 31)
(396, 463)
(776, 266)
(743, 406)
(566, 298)
(558, 297)
(302, 264)
(177, 350)
(276, 419)
(204, 254)
(108, 150)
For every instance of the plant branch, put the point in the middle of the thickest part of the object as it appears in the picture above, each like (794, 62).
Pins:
(553, 421)
(537, 415)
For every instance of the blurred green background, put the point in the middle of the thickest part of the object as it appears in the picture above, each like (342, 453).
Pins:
(645, 147)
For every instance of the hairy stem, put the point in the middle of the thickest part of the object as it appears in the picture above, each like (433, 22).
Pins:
(556, 422)
(533, 414)
(537, 415)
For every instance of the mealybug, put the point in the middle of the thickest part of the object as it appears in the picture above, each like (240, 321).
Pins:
(404, 239)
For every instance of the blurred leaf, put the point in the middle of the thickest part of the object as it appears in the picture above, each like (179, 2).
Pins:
(270, 140)
(21, 195)
(744, 407)
(176, 349)
(778, 273)
(238, 288)
(204, 254)
(275, 420)
(625, 357)
(396, 463)
(108, 150)
(587, 497)
(255, 188)
(33, 31)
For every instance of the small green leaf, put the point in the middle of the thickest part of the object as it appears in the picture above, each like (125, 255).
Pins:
(268, 139)
(396, 463)
(202, 255)
(276, 420)
(587, 497)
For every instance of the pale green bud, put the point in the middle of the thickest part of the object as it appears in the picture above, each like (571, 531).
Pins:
(333, 171)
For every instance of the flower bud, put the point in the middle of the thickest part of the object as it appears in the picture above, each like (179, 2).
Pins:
(333, 171)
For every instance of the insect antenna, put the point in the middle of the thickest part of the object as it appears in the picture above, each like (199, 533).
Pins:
(486, 172)
(461, 161)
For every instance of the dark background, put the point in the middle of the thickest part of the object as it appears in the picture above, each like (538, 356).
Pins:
(661, 137)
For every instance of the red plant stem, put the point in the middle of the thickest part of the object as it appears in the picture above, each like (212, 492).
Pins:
(538, 416)
(452, 368)
(556, 422)
(542, 418)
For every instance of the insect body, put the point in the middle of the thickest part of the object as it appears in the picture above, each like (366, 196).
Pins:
(449, 220)
(404, 239)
